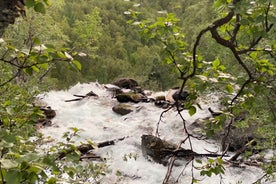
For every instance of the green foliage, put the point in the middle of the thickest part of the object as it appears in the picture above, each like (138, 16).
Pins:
(37, 5)
(107, 46)
(212, 166)
(130, 156)
(24, 65)
(76, 170)
(246, 29)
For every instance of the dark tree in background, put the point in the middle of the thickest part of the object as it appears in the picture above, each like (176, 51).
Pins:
(9, 11)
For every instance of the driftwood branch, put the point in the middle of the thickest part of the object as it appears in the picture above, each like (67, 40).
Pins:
(84, 148)
(80, 97)
(75, 99)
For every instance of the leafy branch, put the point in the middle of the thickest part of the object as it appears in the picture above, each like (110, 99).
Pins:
(234, 24)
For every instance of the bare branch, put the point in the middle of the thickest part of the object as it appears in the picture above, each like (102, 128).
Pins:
(9, 80)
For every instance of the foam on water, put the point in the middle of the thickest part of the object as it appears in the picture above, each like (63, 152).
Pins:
(99, 123)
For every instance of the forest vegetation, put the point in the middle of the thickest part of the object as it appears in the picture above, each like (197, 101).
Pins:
(161, 44)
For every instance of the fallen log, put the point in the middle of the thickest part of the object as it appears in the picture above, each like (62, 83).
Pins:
(91, 93)
(160, 150)
(85, 148)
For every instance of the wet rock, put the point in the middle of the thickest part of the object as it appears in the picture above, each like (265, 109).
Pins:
(160, 98)
(162, 104)
(115, 90)
(160, 101)
(122, 109)
(139, 89)
(197, 127)
(235, 139)
(48, 112)
(126, 83)
(130, 97)
(160, 150)
(238, 137)
(180, 97)
(41, 123)
(157, 149)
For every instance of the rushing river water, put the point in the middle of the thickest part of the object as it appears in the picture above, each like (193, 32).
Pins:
(99, 123)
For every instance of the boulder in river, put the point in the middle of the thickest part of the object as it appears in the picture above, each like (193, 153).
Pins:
(48, 112)
(127, 83)
(130, 97)
(122, 109)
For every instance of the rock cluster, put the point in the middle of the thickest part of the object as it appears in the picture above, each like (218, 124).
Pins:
(136, 94)
(49, 114)
(128, 93)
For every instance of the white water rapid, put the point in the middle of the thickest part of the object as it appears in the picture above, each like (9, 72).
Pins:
(99, 123)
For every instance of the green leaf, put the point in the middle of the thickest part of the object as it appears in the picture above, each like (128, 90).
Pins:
(194, 180)
(43, 59)
(61, 55)
(36, 41)
(39, 7)
(216, 63)
(47, 2)
(199, 161)
(11, 47)
(221, 68)
(204, 172)
(7, 163)
(29, 3)
(192, 110)
(35, 68)
(13, 177)
(244, 22)
(52, 180)
(229, 88)
(210, 160)
(35, 168)
(29, 70)
(29, 157)
(210, 133)
(7, 103)
(77, 64)
(44, 65)
(254, 55)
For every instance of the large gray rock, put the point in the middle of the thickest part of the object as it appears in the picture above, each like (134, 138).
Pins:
(160, 150)
(236, 138)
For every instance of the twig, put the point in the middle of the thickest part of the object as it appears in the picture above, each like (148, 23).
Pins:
(12, 78)
(260, 179)
(173, 158)
(160, 120)
(241, 150)
(189, 161)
